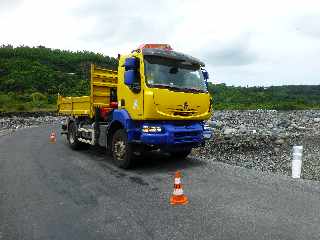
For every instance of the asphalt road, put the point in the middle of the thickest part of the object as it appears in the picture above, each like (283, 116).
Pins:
(48, 191)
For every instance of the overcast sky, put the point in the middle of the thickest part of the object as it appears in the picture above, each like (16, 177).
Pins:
(243, 42)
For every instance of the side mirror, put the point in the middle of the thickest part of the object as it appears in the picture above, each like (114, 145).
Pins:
(130, 76)
(131, 63)
(205, 74)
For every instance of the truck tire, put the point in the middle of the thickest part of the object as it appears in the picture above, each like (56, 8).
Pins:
(181, 154)
(121, 149)
(72, 137)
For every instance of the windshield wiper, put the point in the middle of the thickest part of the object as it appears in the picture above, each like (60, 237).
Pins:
(165, 86)
(191, 90)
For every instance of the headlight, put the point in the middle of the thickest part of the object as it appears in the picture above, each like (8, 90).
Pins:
(151, 129)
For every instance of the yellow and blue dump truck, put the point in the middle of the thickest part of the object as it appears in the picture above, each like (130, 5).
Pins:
(156, 100)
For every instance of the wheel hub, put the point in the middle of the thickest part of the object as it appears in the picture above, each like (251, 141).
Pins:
(72, 136)
(119, 150)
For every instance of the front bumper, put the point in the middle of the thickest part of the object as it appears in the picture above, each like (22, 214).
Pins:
(191, 134)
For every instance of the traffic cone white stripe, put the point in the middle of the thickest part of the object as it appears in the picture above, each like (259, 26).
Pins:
(177, 181)
(178, 192)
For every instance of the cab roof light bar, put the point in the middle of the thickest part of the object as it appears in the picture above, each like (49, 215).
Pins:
(156, 45)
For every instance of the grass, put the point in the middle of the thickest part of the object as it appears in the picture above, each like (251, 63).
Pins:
(26, 103)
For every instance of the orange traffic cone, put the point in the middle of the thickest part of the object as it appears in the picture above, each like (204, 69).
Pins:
(53, 137)
(178, 198)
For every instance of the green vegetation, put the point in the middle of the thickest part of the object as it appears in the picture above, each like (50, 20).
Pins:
(291, 97)
(31, 78)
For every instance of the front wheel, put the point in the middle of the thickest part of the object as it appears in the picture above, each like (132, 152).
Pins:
(121, 149)
(181, 154)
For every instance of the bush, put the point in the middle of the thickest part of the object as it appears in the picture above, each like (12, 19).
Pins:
(21, 107)
(4, 100)
(52, 99)
(37, 97)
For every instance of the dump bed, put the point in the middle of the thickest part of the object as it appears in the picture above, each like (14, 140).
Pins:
(103, 82)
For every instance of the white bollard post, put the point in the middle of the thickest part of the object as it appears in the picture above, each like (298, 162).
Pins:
(296, 161)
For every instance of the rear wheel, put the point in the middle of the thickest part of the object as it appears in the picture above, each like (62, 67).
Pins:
(121, 149)
(180, 154)
(73, 139)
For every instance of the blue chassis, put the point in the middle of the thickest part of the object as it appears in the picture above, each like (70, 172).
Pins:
(175, 135)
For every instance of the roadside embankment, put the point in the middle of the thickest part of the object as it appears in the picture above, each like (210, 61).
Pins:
(17, 120)
(263, 140)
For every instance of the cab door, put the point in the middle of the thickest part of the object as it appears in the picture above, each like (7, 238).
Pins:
(130, 94)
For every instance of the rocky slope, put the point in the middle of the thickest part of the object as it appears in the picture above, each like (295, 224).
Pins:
(264, 139)
(13, 121)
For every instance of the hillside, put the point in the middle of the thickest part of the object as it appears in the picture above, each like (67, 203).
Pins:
(30, 79)
(291, 97)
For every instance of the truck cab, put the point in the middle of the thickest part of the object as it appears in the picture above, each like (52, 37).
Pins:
(161, 84)
(158, 99)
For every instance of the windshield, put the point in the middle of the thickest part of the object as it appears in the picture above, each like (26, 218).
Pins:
(173, 74)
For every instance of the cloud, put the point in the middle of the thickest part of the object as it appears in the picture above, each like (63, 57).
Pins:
(8, 5)
(234, 53)
(241, 42)
(134, 21)
(309, 25)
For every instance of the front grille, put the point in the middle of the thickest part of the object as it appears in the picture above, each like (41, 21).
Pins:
(185, 134)
(182, 123)
(183, 137)
(184, 114)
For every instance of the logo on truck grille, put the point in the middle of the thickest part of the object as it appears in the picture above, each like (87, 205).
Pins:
(185, 106)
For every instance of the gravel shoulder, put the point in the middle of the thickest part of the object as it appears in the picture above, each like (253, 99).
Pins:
(263, 140)
(14, 121)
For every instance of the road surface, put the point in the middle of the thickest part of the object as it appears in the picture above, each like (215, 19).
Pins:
(48, 191)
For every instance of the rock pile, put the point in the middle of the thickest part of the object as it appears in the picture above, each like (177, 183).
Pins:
(264, 139)
(24, 120)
